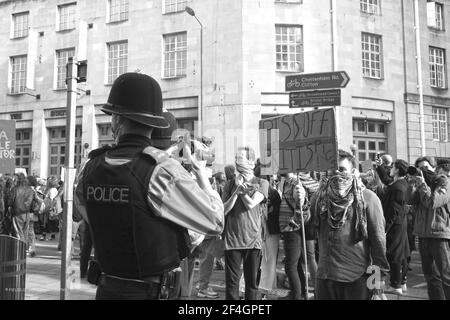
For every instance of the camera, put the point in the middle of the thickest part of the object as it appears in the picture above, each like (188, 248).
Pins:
(413, 171)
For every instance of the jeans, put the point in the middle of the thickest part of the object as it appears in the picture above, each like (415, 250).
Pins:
(206, 263)
(269, 262)
(126, 290)
(187, 276)
(334, 290)
(85, 246)
(435, 255)
(311, 256)
(293, 266)
(31, 239)
(398, 273)
(21, 222)
(251, 259)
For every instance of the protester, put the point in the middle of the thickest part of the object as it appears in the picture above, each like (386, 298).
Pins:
(395, 214)
(52, 211)
(351, 234)
(431, 201)
(243, 199)
(271, 240)
(21, 203)
(291, 211)
(36, 208)
(383, 168)
(139, 243)
(426, 165)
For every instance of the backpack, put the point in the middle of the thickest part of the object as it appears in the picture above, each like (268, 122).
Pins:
(52, 207)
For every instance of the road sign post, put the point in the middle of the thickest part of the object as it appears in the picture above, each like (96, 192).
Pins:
(317, 81)
(316, 98)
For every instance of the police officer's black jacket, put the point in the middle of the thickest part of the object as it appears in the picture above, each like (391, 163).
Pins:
(130, 240)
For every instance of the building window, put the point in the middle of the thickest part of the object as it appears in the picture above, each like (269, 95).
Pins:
(20, 25)
(23, 149)
(175, 55)
(105, 135)
(435, 15)
(67, 16)
(440, 125)
(289, 48)
(62, 57)
(437, 67)
(118, 10)
(18, 74)
(174, 5)
(58, 149)
(371, 55)
(370, 6)
(370, 138)
(117, 60)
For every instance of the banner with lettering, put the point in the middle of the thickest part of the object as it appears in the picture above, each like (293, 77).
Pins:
(299, 142)
(7, 146)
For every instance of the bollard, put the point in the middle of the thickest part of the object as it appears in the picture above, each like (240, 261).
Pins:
(12, 268)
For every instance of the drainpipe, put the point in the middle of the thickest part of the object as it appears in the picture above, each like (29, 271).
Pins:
(419, 77)
(405, 80)
(333, 35)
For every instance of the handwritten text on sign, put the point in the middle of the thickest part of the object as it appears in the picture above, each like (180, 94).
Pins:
(301, 142)
(7, 146)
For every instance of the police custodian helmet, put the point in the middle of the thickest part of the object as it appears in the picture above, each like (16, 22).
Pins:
(138, 97)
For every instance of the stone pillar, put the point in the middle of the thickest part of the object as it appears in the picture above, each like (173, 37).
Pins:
(39, 145)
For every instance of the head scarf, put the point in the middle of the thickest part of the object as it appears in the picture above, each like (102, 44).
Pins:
(336, 195)
(245, 166)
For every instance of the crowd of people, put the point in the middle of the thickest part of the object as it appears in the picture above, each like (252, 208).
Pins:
(31, 209)
(152, 210)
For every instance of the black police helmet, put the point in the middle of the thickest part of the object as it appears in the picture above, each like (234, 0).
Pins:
(137, 97)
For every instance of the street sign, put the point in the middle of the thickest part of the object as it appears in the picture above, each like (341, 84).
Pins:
(317, 81)
(317, 98)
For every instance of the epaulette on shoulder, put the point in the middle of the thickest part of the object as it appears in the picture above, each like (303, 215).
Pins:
(158, 155)
(97, 152)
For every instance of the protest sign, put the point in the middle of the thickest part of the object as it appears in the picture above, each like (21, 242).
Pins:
(300, 142)
(7, 146)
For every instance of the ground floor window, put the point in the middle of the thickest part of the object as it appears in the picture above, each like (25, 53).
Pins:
(23, 149)
(370, 138)
(58, 149)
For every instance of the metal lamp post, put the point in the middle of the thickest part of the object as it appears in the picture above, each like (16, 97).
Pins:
(191, 12)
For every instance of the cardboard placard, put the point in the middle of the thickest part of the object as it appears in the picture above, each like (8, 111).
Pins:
(300, 142)
(7, 146)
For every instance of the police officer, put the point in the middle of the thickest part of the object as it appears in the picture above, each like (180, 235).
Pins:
(139, 202)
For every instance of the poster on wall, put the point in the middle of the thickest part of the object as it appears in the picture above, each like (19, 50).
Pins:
(7, 146)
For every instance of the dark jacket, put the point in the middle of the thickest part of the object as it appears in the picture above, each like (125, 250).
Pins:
(432, 210)
(22, 200)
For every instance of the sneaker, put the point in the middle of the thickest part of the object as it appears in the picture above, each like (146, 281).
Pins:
(392, 290)
(404, 287)
(310, 296)
(208, 293)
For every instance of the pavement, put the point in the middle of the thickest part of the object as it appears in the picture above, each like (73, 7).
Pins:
(43, 278)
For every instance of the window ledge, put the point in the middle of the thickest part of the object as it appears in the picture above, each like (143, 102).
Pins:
(370, 13)
(287, 71)
(173, 12)
(19, 38)
(290, 2)
(65, 30)
(174, 77)
(372, 78)
(60, 90)
(434, 29)
(15, 94)
(115, 22)
(439, 88)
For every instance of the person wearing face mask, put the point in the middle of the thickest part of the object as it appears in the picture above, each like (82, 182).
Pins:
(393, 198)
(351, 234)
(244, 200)
(139, 202)
(431, 201)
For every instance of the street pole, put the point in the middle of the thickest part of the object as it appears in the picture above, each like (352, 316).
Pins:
(419, 77)
(66, 242)
(201, 80)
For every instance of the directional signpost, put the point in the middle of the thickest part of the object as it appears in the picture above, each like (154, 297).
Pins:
(319, 98)
(317, 81)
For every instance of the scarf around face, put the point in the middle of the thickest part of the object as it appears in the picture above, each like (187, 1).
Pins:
(336, 195)
(245, 167)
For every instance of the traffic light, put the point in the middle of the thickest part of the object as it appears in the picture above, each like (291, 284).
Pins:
(81, 71)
